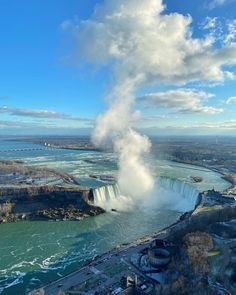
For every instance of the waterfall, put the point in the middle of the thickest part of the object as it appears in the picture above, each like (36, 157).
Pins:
(188, 192)
(173, 193)
(103, 195)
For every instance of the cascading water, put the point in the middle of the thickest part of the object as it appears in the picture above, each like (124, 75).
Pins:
(104, 194)
(174, 193)
(109, 197)
(187, 191)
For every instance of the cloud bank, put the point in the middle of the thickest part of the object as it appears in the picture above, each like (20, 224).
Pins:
(41, 114)
(181, 100)
(195, 128)
(137, 38)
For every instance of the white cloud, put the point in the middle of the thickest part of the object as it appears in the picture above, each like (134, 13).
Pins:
(231, 33)
(19, 127)
(222, 125)
(215, 3)
(231, 100)
(214, 28)
(210, 23)
(65, 25)
(220, 29)
(181, 100)
(139, 39)
(193, 128)
(40, 114)
(152, 118)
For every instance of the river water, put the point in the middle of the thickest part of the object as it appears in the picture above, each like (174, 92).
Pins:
(34, 253)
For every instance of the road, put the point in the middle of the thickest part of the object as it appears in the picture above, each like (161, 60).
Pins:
(97, 271)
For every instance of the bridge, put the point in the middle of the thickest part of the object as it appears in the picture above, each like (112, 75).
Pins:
(26, 149)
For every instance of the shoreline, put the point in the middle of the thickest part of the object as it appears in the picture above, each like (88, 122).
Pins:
(171, 232)
(144, 241)
(41, 194)
(70, 185)
(217, 170)
(46, 203)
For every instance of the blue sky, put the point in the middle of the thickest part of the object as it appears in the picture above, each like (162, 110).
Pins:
(44, 90)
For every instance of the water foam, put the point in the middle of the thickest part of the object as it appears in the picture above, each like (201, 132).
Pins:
(179, 193)
(110, 197)
(173, 193)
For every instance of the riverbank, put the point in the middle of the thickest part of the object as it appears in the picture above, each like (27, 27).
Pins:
(29, 193)
(78, 240)
(202, 225)
(68, 143)
(231, 177)
(200, 241)
(228, 176)
(67, 202)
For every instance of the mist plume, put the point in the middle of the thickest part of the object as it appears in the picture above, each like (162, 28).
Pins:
(142, 46)
(134, 177)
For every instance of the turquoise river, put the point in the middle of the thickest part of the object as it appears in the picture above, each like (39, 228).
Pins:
(34, 253)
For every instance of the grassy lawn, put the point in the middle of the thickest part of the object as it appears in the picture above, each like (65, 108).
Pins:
(115, 269)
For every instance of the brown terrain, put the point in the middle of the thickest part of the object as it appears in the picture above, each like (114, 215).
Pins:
(28, 193)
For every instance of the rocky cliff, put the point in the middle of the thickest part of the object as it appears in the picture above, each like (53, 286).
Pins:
(66, 202)
(28, 193)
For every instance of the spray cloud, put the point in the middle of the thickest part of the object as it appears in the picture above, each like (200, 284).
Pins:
(142, 46)
(134, 177)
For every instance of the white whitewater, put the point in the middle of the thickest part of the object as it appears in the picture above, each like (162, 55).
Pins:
(188, 193)
(169, 192)
(104, 194)
(109, 197)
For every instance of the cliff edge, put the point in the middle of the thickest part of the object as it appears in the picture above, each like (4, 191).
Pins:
(29, 193)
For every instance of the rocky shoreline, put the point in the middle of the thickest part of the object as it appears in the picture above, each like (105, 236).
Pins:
(202, 254)
(202, 258)
(29, 193)
(67, 202)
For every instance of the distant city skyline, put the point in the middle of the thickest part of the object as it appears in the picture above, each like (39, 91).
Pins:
(46, 88)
